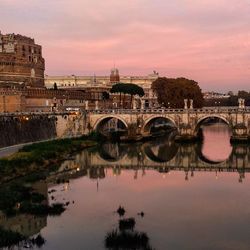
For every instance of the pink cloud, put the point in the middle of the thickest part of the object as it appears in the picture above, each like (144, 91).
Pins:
(208, 41)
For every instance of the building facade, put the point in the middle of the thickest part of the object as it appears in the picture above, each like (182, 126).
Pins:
(21, 61)
(99, 84)
(23, 86)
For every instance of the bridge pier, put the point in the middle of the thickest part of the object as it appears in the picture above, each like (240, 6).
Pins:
(241, 130)
(187, 121)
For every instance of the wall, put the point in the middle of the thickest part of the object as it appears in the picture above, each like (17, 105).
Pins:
(21, 60)
(19, 129)
(26, 129)
(11, 102)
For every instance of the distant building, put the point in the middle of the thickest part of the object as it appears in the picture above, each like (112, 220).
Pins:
(213, 99)
(21, 61)
(23, 86)
(104, 83)
(215, 95)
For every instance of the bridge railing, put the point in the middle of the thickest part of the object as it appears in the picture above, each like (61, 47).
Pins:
(167, 110)
(11, 114)
(134, 111)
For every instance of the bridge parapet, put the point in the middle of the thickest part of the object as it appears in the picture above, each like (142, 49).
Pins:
(186, 121)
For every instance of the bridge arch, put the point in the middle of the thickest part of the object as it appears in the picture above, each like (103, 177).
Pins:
(202, 120)
(101, 121)
(112, 152)
(160, 153)
(149, 122)
(209, 161)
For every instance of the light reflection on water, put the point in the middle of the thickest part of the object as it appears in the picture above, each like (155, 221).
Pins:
(193, 196)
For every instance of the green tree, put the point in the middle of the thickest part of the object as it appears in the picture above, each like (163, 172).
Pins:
(127, 89)
(118, 88)
(233, 99)
(55, 86)
(105, 96)
(172, 92)
(132, 90)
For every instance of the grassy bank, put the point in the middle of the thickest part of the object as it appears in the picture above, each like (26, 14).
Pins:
(30, 164)
(40, 156)
(9, 238)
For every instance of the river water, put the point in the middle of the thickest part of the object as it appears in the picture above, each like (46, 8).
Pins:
(193, 196)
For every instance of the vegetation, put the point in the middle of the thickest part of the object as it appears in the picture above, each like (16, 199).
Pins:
(9, 238)
(36, 157)
(127, 88)
(172, 92)
(39, 241)
(127, 224)
(121, 211)
(232, 100)
(41, 209)
(32, 163)
(125, 237)
(126, 240)
(55, 86)
(19, 198)
(105, 97)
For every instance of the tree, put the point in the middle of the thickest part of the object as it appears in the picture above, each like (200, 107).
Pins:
(233, 99)
(132, 90)
(172, 92)
(117, 88)
(105, 96)
(127, 88)
(55, 86)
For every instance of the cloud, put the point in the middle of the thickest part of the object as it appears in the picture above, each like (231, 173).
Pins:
(206, 40)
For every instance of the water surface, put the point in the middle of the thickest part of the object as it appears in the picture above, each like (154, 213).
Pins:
(193, 196)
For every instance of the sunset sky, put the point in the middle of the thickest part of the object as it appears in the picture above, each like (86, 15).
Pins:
(205, 40)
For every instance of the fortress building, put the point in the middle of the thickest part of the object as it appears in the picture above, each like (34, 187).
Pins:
(21, 61)
(23, 86)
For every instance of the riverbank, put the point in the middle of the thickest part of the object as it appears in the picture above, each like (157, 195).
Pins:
(33, 163)
(41, 156)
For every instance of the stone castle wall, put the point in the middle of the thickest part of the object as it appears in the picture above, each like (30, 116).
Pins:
(21, 61)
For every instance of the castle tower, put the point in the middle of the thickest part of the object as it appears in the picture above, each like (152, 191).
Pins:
(114, 76)
(21, 61)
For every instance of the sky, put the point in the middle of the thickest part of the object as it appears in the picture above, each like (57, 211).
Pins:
(204, 40)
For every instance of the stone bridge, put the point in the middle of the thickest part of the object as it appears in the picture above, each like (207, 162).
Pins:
(186, 121)
(18, 128)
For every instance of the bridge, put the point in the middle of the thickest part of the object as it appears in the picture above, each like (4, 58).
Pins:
(137, 122)
(186, 121)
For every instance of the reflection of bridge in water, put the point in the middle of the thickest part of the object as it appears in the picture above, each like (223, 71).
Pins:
(163, 156)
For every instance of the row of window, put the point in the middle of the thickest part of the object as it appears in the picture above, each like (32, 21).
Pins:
(16, 64)
(7, 63)
(31, 49)
(65, 85)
